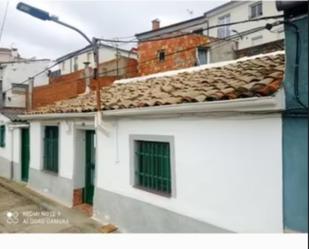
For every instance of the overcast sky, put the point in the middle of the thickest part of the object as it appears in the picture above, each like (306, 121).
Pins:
(105, 19)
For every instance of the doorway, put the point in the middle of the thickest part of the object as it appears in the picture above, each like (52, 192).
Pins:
(25, 154)
(90, 158)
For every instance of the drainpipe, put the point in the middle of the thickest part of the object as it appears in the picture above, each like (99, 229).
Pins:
(12, 153)
(87, 77)
(1, 85)
(29, 95)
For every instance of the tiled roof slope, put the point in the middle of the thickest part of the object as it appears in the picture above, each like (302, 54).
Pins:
(250, 77)
(12, 113)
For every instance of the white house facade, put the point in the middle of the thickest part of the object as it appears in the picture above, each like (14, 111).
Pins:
(162, 157)
(71, 63)
(14, 76)
(12, 131)
(241, 10)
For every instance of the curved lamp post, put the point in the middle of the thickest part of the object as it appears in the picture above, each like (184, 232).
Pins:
(45, 16)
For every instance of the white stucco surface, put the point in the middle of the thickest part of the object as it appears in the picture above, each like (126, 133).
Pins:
(6, 151)
(228, 168)
(70, 154)
(19, 72)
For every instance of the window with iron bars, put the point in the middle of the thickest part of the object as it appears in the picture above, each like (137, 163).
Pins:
(153, 166)
(2, 136)
(51, 152)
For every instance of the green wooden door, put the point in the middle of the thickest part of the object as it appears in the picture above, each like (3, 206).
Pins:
(25, 154)
(90, 167)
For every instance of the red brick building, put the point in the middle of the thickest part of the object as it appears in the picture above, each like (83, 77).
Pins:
(164, 54)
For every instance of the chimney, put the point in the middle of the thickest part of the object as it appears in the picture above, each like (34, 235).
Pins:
(155, 24)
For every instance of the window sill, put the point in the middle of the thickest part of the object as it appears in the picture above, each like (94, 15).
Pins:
(256, 17)
(49, 172)
(166, 195)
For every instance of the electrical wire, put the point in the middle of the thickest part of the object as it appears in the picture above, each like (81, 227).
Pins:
(152, 59)
(203, 29)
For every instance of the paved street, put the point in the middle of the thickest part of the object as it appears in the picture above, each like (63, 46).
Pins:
(24, 211)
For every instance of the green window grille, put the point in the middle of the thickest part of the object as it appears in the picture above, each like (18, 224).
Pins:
(51, 148)
(153, 166)
(2, 136)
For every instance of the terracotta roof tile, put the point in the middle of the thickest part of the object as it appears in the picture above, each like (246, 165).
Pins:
(250, 77)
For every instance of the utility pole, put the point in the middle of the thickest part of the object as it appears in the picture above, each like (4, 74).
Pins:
(29, 93)
(96, 71)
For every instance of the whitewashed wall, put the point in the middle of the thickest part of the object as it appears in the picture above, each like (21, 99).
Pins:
(241, 11)
(228, 169)
(14, 144)
(66, 147)
(18, 72)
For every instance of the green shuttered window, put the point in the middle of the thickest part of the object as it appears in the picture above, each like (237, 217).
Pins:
(153, 166)
(2, 136)
(51, 148)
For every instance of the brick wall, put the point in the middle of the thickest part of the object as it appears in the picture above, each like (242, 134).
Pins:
(149, 51)
(66, 89)
(71, 85)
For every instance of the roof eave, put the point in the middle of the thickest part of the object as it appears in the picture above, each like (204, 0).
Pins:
(255, 104)
(51, 116)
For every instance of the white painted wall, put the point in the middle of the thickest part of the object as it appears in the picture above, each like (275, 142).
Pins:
(68, 154)
(105, 54)
(6, 152)
(79, 165)
(18, 72)
(239, 12)
(228, 169)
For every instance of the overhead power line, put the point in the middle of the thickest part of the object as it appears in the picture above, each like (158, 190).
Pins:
(202, 29)
(246, 32)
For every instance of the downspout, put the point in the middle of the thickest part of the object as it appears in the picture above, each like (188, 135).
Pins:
(12, 153)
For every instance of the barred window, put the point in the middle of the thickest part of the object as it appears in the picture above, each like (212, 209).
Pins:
(51, 148)
(2, 136)
(153, 166)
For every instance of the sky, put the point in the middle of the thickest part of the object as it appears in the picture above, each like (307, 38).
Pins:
(104, 19)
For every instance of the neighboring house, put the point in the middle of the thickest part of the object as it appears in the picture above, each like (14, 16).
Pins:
(74, 61)
(14, 135)
(9, 54)
(13, 79)
(235, 11)
(71, 85)
(232, 41)
(192, 150)
(295, 118)
(174, 53)
(14, 144)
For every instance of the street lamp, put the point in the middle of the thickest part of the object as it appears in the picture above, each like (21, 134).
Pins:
(45, 16)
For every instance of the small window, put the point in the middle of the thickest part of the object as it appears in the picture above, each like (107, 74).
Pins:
(88, 56)
(153, 166)
(224, 30)
(199, 31)
(161, 55)
(63, 66)
(202, 56)
(75, 63)
(51, 149)
(2, 136)
(256, 10)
